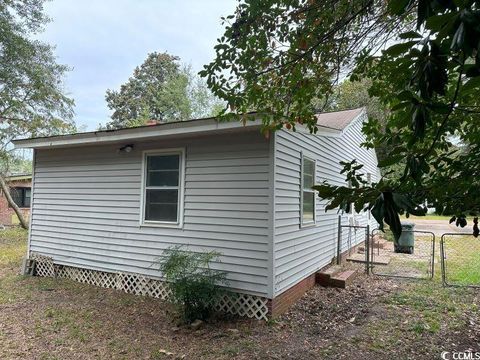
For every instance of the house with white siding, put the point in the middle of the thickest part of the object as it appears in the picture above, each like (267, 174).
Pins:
(106, 204)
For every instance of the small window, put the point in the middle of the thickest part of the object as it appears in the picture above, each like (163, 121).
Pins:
(308, 194)
(162, 191)
(21, 196)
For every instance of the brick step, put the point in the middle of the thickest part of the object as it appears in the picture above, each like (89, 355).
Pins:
(335, 276)
(323, 277)
(343, 279)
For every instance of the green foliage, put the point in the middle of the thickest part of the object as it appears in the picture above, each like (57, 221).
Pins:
(195, 285)
(202, 102)
(276, 57)
(32, 100)
(18, 163)
(160, 89)
(157, 90)
(353, 94)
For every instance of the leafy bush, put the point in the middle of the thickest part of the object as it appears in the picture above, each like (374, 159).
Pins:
(195, 286)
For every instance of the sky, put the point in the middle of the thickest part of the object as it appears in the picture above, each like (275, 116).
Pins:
(103, 41)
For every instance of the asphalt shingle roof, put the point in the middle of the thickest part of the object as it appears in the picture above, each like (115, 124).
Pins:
(338, 120)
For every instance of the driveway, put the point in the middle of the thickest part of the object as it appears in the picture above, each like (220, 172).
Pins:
(439, 227)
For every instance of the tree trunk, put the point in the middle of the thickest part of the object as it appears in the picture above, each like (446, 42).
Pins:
(6, 191)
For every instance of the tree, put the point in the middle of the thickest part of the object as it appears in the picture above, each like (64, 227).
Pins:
(32, 99)
(353, 94)
(157, 90)
(424, 62)
(161, 89)
(202, 102)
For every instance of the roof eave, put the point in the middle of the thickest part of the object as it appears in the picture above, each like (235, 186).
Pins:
(135, 134)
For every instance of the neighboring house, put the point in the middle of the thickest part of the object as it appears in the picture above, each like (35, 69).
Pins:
(112, 201)
(20, 190)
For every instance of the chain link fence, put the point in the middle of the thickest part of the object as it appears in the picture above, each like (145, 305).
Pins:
(460, 254)
(414, 258)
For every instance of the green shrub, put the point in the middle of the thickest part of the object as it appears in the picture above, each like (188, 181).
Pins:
(194, 284)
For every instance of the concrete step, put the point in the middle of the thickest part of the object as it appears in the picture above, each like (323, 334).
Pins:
(343, 278)
(377, 259)
(378, 244)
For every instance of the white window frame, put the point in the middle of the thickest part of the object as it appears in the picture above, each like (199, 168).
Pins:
(314, 221)
(181, 188)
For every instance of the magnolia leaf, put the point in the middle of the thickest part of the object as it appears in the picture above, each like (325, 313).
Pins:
(472, 85)
(472, 70)
(378, 211)
(390, 160)
(461, 221)
(324, 191)
(397, 7)
(410, 35)
(437, 22)
(402, 202)
(399, 49)
(424, 9)
(399, 106)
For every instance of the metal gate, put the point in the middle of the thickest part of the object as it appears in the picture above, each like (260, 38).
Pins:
(354, 249)
(460, 254)
(416, 263)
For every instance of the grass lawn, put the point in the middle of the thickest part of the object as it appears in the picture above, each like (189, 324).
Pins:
(463, 260)
(426, 217)
(376, 318)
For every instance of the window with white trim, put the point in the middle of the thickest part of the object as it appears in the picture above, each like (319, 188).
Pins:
(308, 194)
(162, 187)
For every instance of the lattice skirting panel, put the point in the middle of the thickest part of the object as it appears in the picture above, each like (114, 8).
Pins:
(234, 303)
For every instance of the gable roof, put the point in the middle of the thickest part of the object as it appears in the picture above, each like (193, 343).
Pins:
(331, 122)
(338, 120)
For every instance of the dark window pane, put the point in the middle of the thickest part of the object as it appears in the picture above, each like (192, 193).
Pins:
(161, 205)
(162, 178)
(163, 162)
(308, 206)
(27, 198)
(162, 196)
(17, 196)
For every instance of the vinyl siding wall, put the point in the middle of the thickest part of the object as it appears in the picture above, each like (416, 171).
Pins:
(300, 251)
(86, 207)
